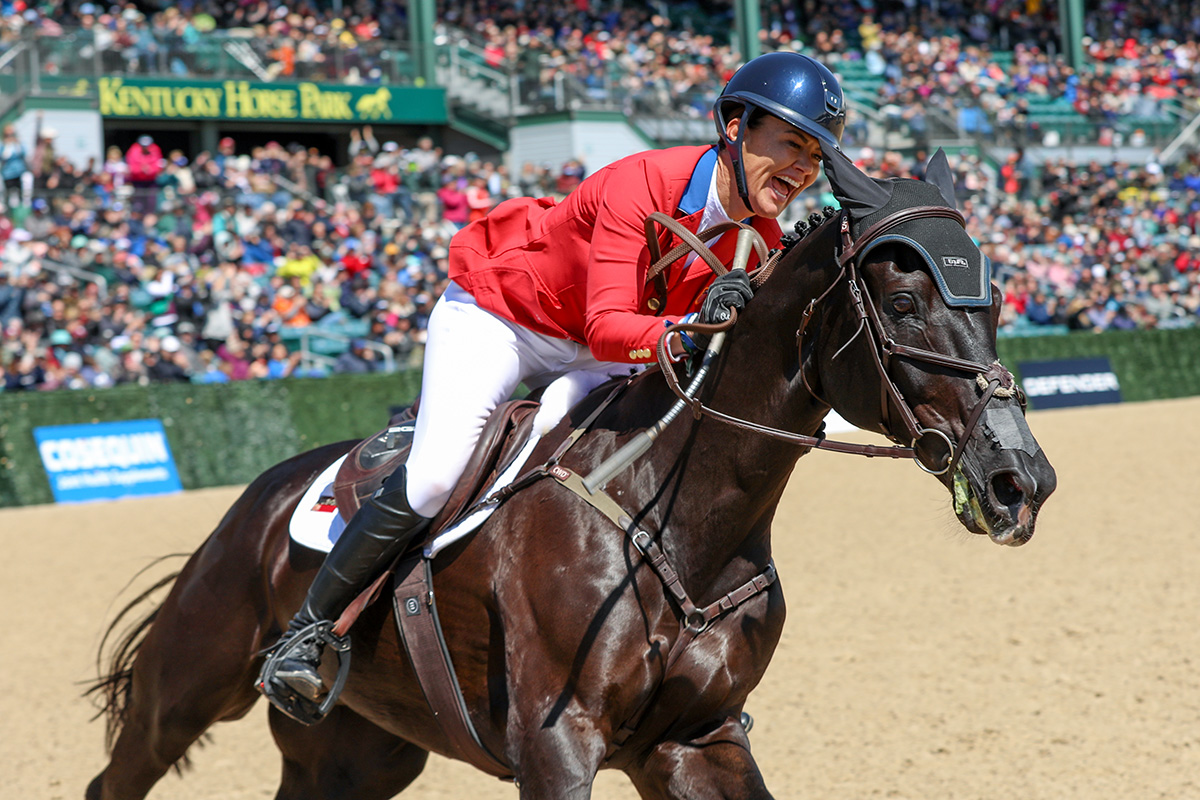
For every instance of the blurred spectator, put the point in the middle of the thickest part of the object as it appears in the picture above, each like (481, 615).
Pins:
(291, 307)
(15, 175)
(145, 162)
(455, 207)
(12, 301)
(44, 157)
(571, 175)
(358, 359)
(478, 198)
(165, 364)
(282, 364)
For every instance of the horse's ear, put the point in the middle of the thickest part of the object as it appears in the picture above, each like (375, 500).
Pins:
(856, 191)
(938, 172)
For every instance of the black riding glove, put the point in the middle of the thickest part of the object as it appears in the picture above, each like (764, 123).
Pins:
(731, 290)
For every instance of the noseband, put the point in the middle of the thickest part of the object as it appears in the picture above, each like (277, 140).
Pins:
(992, 379)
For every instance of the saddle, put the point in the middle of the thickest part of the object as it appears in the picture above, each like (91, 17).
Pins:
(373, 459)
(363, 471)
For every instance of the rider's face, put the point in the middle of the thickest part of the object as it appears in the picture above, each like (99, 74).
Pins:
(780, 161)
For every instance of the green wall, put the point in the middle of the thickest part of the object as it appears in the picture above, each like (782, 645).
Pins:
(227, 434)
(220, 434)
(1150, 365)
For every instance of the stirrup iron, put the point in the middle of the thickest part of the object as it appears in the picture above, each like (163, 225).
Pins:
(287, 699)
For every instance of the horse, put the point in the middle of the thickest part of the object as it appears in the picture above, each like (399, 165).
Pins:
(571, 655)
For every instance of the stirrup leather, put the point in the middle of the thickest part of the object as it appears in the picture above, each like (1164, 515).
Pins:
(287, 699)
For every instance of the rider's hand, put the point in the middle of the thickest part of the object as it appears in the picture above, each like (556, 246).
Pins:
(731, 290)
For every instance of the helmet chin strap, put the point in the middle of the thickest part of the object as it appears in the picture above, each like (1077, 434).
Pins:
(735, 157)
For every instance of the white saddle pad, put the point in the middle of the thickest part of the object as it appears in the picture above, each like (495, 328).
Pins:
(316, 523)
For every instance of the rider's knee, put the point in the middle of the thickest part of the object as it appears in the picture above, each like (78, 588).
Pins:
(427, 496)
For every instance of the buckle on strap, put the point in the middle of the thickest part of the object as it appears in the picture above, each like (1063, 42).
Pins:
(732, 600)
(643, 541)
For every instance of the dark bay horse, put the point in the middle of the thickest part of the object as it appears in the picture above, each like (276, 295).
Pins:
(561, 633)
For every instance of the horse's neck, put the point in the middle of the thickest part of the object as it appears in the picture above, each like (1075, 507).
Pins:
(735, 478)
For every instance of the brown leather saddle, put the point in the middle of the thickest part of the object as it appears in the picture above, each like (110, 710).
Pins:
(373, 459)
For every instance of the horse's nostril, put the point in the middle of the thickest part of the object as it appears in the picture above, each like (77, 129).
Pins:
(1007, 489)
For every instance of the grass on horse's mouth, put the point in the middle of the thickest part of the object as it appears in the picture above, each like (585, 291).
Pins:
(966, 499)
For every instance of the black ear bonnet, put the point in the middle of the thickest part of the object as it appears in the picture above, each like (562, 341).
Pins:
(961, 272)
(959, 269)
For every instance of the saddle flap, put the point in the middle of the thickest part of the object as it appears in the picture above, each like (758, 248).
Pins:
(373, 459)
(503, 435)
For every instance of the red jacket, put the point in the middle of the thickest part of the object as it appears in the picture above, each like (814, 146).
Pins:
(577, 269)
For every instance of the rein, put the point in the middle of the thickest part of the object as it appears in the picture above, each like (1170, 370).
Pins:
(993, 379)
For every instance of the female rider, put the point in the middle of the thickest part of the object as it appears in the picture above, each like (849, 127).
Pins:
(543, 289)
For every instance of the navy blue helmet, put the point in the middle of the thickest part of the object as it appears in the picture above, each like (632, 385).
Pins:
(796, 88)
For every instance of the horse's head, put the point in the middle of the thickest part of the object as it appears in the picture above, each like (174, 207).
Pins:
(908, 349)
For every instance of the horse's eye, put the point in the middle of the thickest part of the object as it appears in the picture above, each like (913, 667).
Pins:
(902, 304)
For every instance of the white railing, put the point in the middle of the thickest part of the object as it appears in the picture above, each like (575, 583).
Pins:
(385, 352)
(79, 273)
(245, 55)
(11, 54)
(1179, 141)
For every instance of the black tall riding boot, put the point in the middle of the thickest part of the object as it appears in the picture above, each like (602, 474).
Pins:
(380, 530)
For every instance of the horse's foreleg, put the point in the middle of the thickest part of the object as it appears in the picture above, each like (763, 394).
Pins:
(714, 766)
(559, 762)
(345, 757)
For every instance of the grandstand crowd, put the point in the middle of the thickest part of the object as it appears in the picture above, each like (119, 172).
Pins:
(205, 268)
(933, 59)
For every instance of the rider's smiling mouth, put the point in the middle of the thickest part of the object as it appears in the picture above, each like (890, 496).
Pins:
(784, 186)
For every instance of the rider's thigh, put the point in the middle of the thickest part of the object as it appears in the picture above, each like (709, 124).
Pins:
(472, 364)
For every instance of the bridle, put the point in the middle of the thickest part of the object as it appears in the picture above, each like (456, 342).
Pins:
(993, 379)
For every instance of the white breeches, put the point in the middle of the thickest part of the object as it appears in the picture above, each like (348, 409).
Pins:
(474, 360)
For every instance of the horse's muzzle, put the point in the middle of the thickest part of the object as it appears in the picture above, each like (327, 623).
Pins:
(1005, 503)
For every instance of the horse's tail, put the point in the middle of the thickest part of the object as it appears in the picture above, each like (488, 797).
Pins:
(115, 681)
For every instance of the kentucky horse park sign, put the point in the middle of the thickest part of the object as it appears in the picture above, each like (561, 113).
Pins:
(250, 101)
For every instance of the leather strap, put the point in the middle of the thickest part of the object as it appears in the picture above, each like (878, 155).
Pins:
(539, 472)
(883, 348)
(804, 440)
(692, 242)
(656, 274)
(421, 631)
(694, 619)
